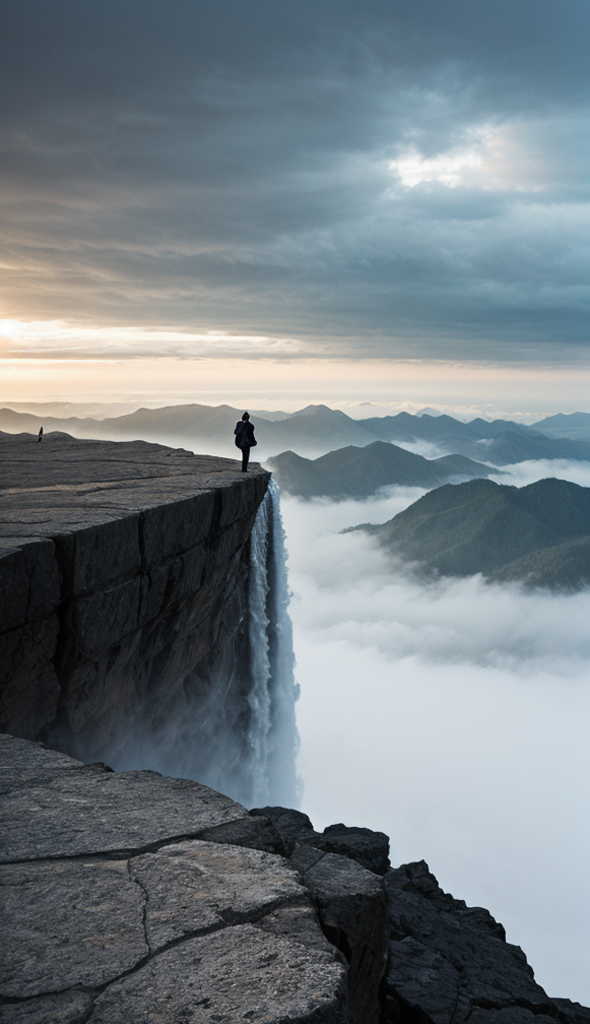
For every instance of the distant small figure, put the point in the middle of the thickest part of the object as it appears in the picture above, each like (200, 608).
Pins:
(245, 439)
(40, 435)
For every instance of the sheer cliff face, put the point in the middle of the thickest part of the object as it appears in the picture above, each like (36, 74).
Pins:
(124, 570)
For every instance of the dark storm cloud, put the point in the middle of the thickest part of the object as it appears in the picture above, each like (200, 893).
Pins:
(231, 165)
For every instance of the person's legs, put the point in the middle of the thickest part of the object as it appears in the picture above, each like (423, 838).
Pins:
(245, 458)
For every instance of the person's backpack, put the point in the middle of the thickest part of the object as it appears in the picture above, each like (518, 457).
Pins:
(241, 434)
(244, 437)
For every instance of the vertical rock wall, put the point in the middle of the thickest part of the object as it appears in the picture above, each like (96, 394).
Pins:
(125, 634)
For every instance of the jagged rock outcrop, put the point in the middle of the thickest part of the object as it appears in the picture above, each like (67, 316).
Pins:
(449, 963)
(130, 896)
(370, 849)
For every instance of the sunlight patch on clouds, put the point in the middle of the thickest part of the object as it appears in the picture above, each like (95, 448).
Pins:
(59, 337)
(448, 169)
(490, 158)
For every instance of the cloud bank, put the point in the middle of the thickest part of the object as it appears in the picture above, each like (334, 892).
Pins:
(454, 717)
(386, 180)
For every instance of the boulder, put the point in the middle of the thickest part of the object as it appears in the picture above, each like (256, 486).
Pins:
(449, 962)
(351, 905)
(369, 849)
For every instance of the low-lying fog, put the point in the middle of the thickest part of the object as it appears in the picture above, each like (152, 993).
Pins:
(454, 717)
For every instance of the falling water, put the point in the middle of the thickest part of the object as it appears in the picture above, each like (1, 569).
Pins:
(272, 733)
(230, 721)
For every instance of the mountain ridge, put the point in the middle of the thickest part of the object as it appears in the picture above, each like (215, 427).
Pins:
(538, 534)
(360, 472)
(312, 432)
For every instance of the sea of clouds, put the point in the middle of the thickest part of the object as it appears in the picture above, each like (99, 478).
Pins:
(454, 717)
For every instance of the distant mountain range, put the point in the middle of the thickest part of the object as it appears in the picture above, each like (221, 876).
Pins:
(538, 534)
(576, 426)
(360, 472)
(316, 430)
(500, 442)
(206, 429)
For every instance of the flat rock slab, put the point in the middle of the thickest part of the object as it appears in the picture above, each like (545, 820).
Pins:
(98, 811)
(60, 807)
(239, 974)
(97, 929)
(68, 923)
(65, 1008)
(197, 887)
(24, 764)
(66, 484)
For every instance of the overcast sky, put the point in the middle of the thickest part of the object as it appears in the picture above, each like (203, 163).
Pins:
(385, 179)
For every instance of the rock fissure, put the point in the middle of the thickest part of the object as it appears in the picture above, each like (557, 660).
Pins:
(146, 895)
(96, 990)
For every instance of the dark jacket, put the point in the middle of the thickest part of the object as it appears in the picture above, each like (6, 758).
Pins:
(244, 434)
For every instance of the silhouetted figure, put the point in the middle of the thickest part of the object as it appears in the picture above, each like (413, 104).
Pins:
(245, 438)
(40, 434)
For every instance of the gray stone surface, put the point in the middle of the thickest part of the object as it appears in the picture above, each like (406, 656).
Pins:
(115, 561)
(299, 923)
(70, 809)
(256, 832)
(369, 849)
(293, 826)
(239, 974)
(25, 764)
(574, 1013)
(68, 923)
(509, 1015)
(447, 959)
(422, 980)
(191, 931)
(351, 905)
(64, 1008)
(194, 887)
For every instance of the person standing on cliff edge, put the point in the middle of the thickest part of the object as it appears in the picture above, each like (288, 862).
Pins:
(245, 438)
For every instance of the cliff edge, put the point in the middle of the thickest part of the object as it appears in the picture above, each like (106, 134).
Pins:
(126, 583)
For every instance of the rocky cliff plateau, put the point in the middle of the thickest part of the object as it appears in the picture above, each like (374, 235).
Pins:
(131, 897)
(125, 579)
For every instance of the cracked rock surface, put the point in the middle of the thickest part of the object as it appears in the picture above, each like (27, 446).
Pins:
(76, 809)
(129, 897)
(100, 928)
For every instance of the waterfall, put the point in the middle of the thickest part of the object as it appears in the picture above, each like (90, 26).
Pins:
(272, 733)
(229, 722)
